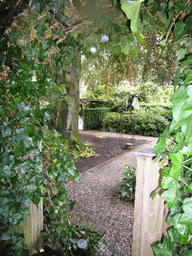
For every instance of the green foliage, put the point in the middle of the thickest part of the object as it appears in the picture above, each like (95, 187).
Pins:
(58, 169)
(24, 82)
(93, 118)
(177, 179)
(21, 175)
(126, 188)
(87, 152)
(132, 10)
(147, 122)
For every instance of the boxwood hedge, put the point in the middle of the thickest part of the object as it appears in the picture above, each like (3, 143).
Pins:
(147, 122)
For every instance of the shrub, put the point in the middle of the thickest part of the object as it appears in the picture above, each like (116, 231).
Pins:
(93, 118)
(126, 189)
(149, 122)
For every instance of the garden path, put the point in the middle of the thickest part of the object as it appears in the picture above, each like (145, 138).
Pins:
(95, 199)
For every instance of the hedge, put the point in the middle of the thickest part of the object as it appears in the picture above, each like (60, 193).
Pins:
(93, 118)
(150, 122)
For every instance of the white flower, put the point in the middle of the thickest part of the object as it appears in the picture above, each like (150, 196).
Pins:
(104, 38)
(93, 49)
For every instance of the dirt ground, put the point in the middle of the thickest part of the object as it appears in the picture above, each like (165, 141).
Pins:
(106, 148)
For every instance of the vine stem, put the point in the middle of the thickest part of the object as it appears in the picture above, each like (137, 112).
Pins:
(187, 160)
(181, 179)
(187, 167)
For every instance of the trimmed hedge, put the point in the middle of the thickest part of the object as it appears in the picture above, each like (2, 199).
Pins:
(150, 122)
(93, 118)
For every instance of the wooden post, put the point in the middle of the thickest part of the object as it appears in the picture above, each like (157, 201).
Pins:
(32, 225)
(149, 214)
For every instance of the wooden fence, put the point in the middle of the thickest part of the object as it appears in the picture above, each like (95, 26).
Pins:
(149, 214)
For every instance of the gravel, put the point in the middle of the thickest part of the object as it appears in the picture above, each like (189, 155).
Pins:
(96, 199)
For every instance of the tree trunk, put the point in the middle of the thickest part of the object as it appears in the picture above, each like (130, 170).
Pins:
(66, 118)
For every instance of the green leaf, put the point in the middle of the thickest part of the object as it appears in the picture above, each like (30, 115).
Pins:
(131, 9)
(180, 137)
(188, 79)
(189, 188)
(6, 130)
(160, 146)
(165, 248)
(187, 253)
(16, 218)
(180, 6)
(169, 182)
(125, 49)
(177, 162)
(116, 50)
(179, 96)
(176, 77)
(174, 236)
(36, 198)
(140, 39)
(186, 217)
(29, 129)
(71, 204)
(170, 196)
(134, 53)
(184, 233)
(6, 236)
(179, 30)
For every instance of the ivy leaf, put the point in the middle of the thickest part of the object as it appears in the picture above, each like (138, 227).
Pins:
(170, 195)
(186, 217)
(131, 9)
(140, 39)
(36, 198)
(29, 129)
(173, 234)
(16, 218)
(71, 204)
(125, 49)
(177, 162)
(184, 233)
(188, 103)
(176, 77)
(160, 146)
(165, 248)
(179, 95)
(187, 253)
(116, 50)
(179, 30)
(134, 53)
(6, 130)
(6, 236)
(188, 79)
(169, 182)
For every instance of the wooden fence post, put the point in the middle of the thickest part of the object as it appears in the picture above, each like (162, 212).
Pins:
(149, 214)
(32, 225)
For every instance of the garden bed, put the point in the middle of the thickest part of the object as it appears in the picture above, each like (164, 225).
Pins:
(106, 148)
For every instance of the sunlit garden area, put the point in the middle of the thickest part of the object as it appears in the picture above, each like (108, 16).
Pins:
(85, 85)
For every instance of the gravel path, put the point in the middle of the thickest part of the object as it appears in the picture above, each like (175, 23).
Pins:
(95, 199)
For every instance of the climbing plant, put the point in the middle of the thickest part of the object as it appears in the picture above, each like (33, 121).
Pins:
(176, 178)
